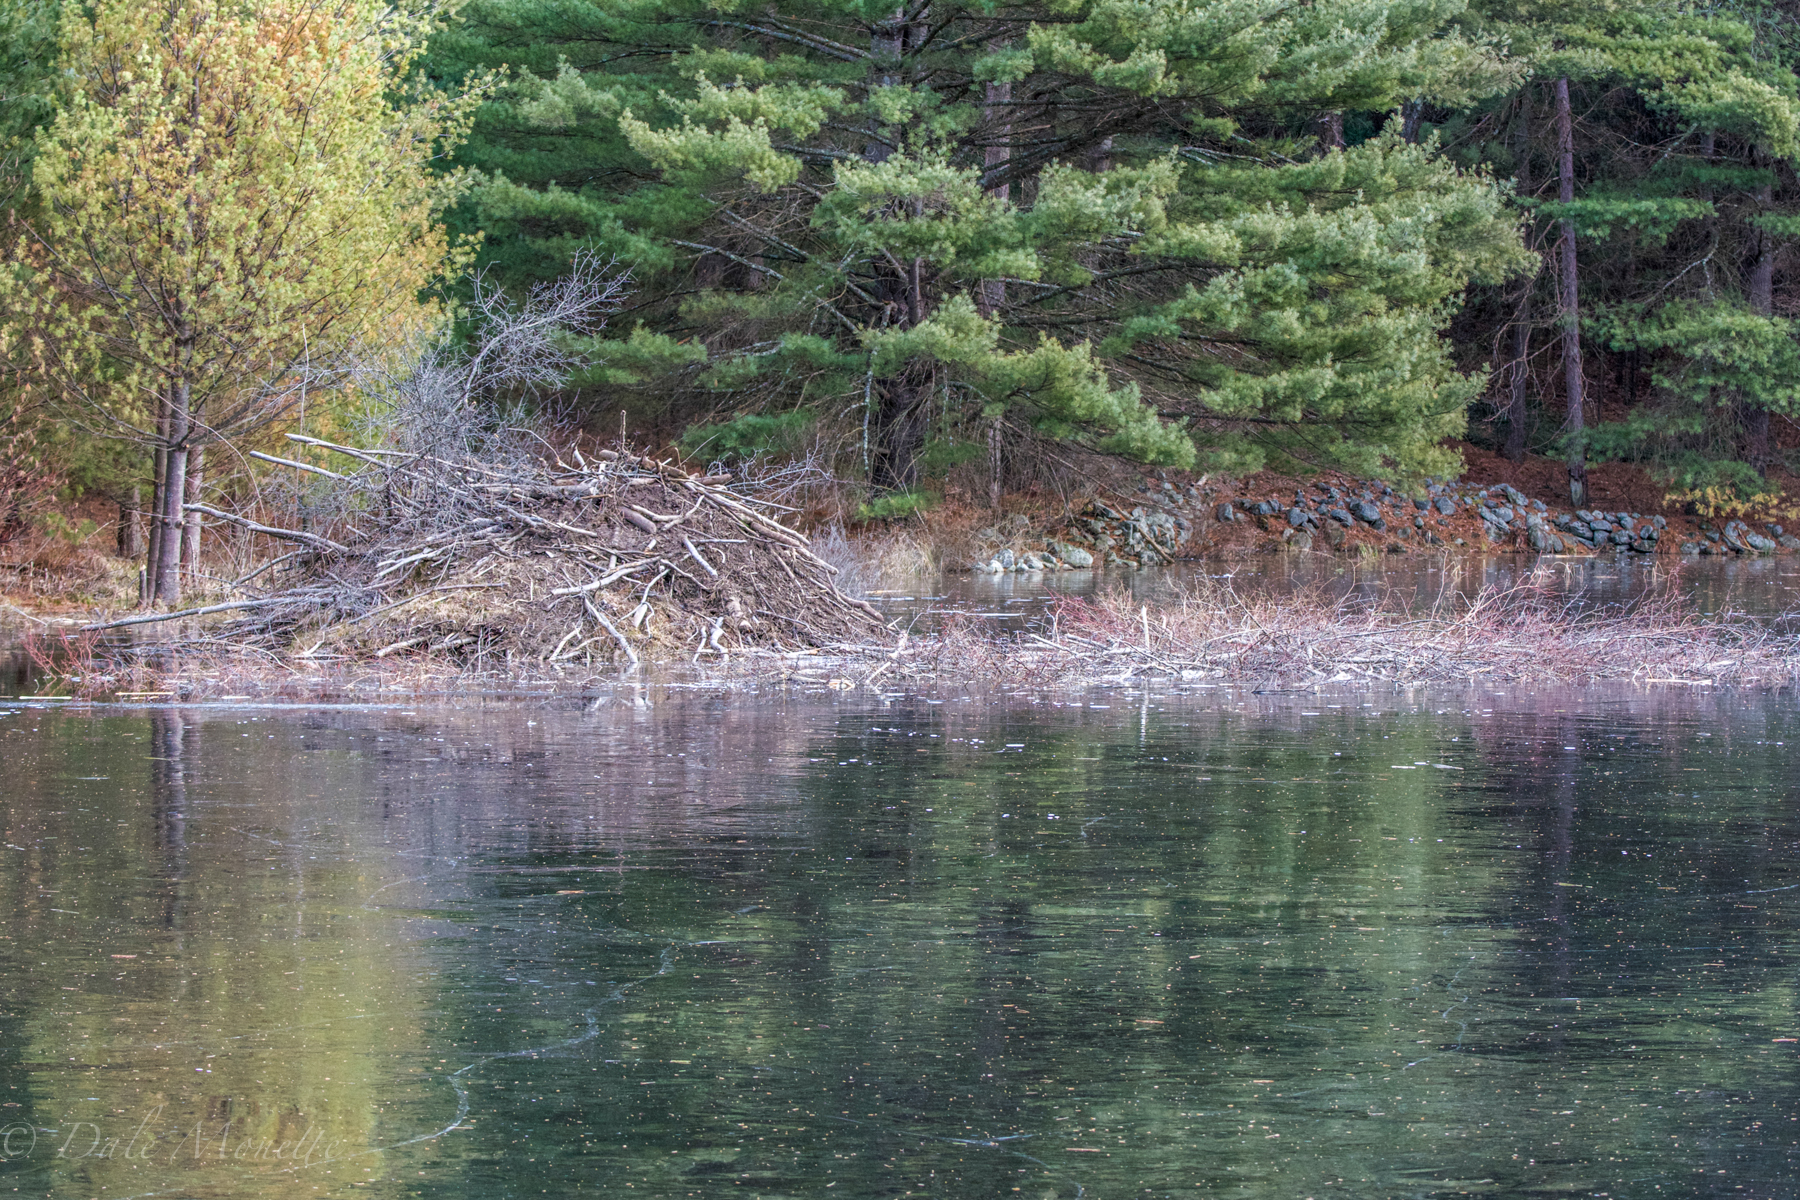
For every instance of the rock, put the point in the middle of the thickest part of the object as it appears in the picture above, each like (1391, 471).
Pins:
(1029, 561)
(1775, 531)
(1734, 537)
(1537, 538)
(1335, 535)
(993, 567)
(1302, 540)
(1005, 559)
(1690, 548)
(1341, 516)
(1619, 537)
(1790, 541)
(1396, 548)
(1421, 503)
(1516, 497)
(1076, 557)
(1502, 514)
(1445, 505)
(1644, 546)
(1224, 514)
(1759, 543)
(1363, 511)
(1298, 517)
(1265, 508)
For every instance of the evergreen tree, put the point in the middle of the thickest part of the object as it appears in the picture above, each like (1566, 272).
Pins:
(1667, 138)
(224, 197)
(1145, 227)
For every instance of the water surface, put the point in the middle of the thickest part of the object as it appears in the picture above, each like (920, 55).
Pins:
(1767, 588)
(1198, 944)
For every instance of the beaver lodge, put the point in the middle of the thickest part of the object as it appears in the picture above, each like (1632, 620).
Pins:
(596, 562)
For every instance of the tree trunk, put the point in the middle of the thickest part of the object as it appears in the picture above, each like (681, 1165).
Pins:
(159, 470)
(1331, 132)
(190, 542)
(1520, 380)
(996, 466)
(1570, 300)
(1755, 418)
(992, 293)
(165, 582)
(901, 421)
(131, 523)
(886, 38)
(1412, 115)
(901, 415)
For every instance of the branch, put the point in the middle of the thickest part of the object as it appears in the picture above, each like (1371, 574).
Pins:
(292, 535)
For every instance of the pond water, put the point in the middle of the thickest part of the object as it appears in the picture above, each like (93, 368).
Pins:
(1125, 944)
(1758, 587)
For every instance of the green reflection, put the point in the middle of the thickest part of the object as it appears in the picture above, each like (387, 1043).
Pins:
(197, 1001)
(1180, 947)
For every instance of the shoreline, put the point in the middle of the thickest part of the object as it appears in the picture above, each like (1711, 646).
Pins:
(1206, 634)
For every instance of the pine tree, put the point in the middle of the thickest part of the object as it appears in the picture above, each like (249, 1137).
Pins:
(1112, 222)
(1668, 148)
(225, 197)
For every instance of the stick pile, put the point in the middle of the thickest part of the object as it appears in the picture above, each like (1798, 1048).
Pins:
(490, 565)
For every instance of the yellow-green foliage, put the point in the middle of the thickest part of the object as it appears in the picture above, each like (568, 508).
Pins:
(224, 192)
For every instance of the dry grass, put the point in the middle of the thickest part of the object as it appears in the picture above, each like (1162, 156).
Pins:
(1209, 632)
